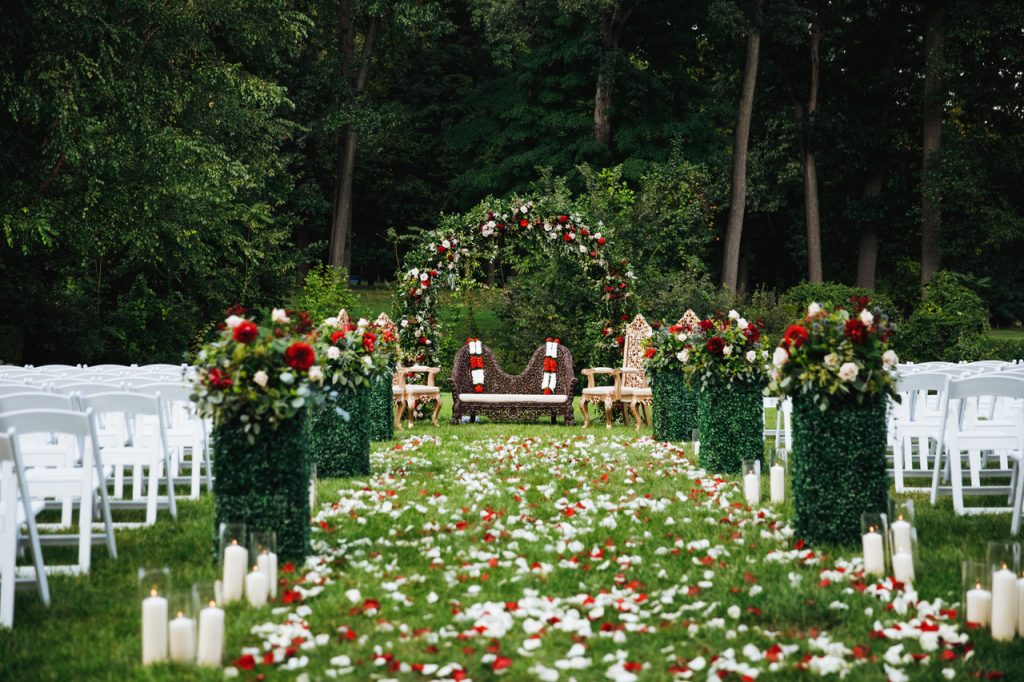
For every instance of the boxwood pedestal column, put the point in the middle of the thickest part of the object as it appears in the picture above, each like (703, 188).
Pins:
(382, 410)
(731, 428)
(341, 448)
(837, 468)
(674, 406)
(265, 484)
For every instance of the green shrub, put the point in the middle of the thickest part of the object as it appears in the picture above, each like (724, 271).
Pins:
(832, 295)
(1002, 349)
(324, 293)
(382, 410)
(731, 426)
(341, 447)
(949, 324)
(674, 409)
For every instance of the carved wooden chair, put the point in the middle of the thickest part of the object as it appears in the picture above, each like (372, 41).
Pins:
(630, 387)
(409, 397)
(386, 324)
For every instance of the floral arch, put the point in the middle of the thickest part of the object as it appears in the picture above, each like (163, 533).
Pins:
(450, 254)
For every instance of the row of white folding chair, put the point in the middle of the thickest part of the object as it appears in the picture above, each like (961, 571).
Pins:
(82, 480)
(782, 430)
(17, 509)
(978, 440)
(914, 426)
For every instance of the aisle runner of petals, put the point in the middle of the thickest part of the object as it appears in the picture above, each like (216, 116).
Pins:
(586, 558)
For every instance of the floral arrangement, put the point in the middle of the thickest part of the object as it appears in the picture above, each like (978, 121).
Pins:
(260, 375)
(355, 355)
(550, 379)
(714, 351)
(836, 355)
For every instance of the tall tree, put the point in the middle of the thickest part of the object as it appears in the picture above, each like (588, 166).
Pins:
(805, 126)
(741, 140)
(933, 104)
(614, 16)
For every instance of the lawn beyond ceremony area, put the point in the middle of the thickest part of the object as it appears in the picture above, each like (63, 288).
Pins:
(537, 552)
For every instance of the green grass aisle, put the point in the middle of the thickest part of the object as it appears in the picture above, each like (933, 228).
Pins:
(536, 552)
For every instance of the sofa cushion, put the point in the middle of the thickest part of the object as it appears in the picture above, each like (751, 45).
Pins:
(538, 398)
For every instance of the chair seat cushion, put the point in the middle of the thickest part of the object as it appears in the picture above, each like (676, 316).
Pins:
(417, 389)
(599, 390)
(537, 398)
(636, 392)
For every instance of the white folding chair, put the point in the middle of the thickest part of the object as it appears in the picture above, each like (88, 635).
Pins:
(147, 453)
(17, 389)
(965, 432)
(80, 481)
(187, 433)
(916, 422)
(16, 509)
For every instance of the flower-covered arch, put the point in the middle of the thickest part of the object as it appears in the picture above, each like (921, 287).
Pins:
(451, 253)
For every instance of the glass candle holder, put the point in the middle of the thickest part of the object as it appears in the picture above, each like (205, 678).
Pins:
(751, 472)
(263, 555)
(777, 474)
(977, 596)
(695, 440)
(154, 587)
(234, 560)
(181, 631)
(1002, 555)
(206, 606)
(874, 533)
(312, 488)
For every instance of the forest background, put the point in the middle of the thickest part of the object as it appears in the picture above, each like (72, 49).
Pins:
(164, 160)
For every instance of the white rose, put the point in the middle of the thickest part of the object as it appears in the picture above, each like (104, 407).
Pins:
(742, 323)
(733, 315)
(279, 315)
(848, 372)
(751, 355)
(419, 291)
(363, 322)
(813, 309)
(524, 208)
(727, 351)
(368, 360)
(333, 353)
(233, 321)
(491, 224)
(866, 317)
(287, 378)
(831, 360)
(597, 236)
(781, 357)
(890, 359)
(552, 235)
(547, 226)
(424, 276)
(683, 356)
(316, 374)
(583, 249)
(681, 336)
(415, 272)
(260, 378)
(446, 244)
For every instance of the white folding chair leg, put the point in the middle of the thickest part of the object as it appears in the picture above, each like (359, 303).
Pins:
(9, 547)
(897, 464)
(1018, 497)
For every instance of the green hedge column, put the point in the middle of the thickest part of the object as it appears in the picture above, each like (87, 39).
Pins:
(265, 484)
(838, 469)
(341, 448)
(382, 410)
(675, 406)
(731, 428)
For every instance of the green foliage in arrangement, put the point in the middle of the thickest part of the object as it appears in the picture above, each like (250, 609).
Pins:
(837, 468)
(949, 324)
(675, 406)
(382, 410)
(832, 295)
(729, 418)
(339, 435)
(264, 484)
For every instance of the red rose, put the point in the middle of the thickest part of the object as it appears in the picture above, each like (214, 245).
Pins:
(715, 345)
(220, 379)
(369, 338)
(567, 236)
(563, 219)
(524, 223)
(247, 662)
(236, 309)
(593, 254)
(299, 356)
(856, 331)
(650, 352)
(440, 248)
(422, 340)
(706, 325)
(618, 340)
(478, 389)
(622, 285)
(601, 241)
(606, 331)
(752, 334)
(796, 335)
(337, 336)
(246, 332)
(388, 337)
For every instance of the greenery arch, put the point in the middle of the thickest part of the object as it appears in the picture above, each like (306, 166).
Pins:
(452, 253)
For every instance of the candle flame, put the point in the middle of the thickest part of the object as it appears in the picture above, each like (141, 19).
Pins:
(1004, 565)
(234, 542)
(180, 614)
(152, 591)
(977, 584)
(255, 569)
(871, 529)
(900, 517)
(213, 604)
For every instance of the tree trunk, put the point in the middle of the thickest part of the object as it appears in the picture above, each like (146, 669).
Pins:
(812, 214)
(611, 30)
(738, 191)
(867, 254)
(934, 100)
(341, 213)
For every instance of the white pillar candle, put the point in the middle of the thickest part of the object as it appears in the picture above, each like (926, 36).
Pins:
(901, 536)
(1004, 604)
(312, 496)
(874, 553)
(979, 605)
(235, 560)
(256, 588)
(211, 636)
(182, 636)
(154, 629)
(777, 483)
(267, 563)
(1020, 607)
(903, 566)
(752, 488)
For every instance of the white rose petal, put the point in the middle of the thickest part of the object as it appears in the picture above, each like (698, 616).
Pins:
(260, 378)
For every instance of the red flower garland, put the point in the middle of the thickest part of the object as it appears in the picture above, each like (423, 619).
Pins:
(476, 364)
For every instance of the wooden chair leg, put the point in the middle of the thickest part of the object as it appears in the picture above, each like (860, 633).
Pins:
(607, 413)
(636, 415)
(410, 410)
(585, 409)
(437, 411)
(399, 411)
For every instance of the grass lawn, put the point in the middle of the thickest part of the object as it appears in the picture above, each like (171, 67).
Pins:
(1010, 334)
(533, 552)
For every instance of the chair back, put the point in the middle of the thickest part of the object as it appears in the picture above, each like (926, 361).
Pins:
(77, 424)
(36, 400)
(19, 389)
(633, 351)
(121, 401)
